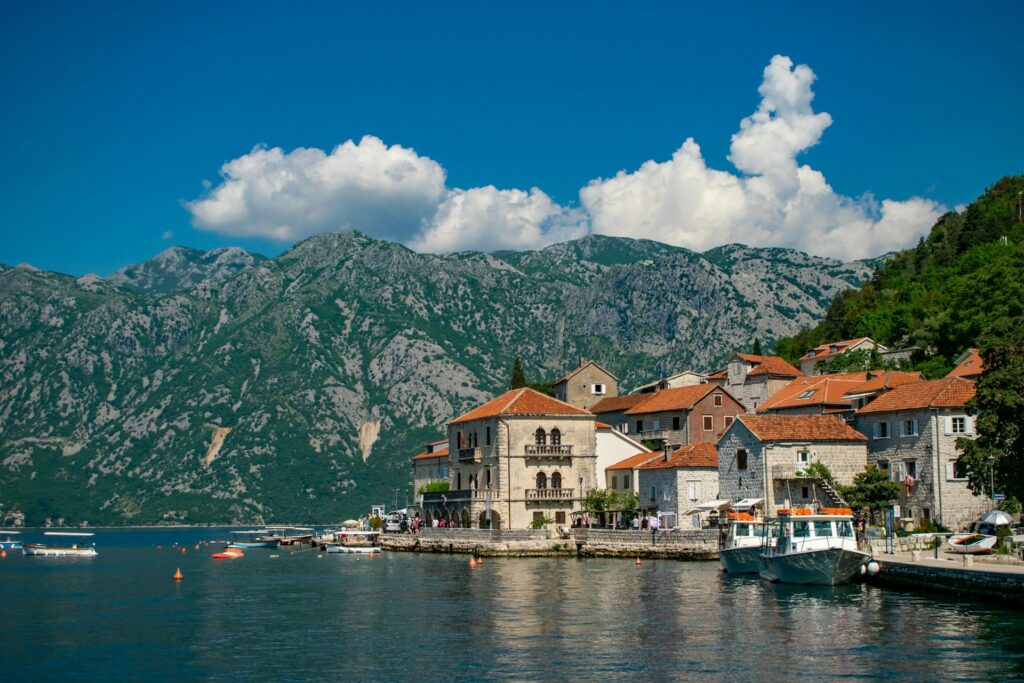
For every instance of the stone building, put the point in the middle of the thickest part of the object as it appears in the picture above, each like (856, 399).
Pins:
(812, 362)
(674, 483)
(625, 474)
(676, 417)
(519, 457)
(968, 366)
(612, 410)
(912, 433)
(686, 378)
(586, 385)
(754, 379)
(763, 456)
(429, 467)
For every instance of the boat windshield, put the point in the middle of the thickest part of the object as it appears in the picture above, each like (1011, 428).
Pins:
(741, 530)
(845, 529)
(801, 529)
(822, 528)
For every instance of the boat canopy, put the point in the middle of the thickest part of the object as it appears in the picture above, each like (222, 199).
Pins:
(747, 504)
(65, 533)
(708, 507)
(241, 533)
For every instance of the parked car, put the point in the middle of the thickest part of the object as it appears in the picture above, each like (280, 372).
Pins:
(396, 523)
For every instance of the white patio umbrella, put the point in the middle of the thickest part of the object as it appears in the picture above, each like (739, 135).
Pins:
(997, 517)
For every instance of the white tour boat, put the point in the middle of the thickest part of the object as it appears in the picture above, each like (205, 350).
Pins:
(351, 541)
(740, 547)
(811, 547)
(75, 549)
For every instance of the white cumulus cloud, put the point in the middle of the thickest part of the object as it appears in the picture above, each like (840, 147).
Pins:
(394, 193)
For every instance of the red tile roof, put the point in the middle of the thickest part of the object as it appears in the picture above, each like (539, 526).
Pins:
(970, 365)
(817, 390)
(682, 398)
(602, 425)
(721, 374)
(614, 404)
(769, 365)
(524, 401)
(691, 455)
(825, 349)
(438, 452)
(634, 461)
(889, 379)
(800, 428)
(950, 392)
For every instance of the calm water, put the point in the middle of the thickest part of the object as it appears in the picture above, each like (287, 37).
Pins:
(119, 616)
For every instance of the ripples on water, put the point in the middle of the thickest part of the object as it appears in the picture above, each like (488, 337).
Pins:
(430, 617)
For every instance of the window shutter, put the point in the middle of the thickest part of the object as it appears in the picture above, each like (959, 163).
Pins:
(916, 430)
(903, 427)
(874, 430)
(948, 424)
(968, 425)
(949, 470)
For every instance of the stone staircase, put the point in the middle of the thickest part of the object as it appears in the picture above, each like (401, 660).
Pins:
(831, 492)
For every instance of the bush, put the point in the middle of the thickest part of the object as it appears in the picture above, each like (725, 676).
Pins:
(541, 522)
(434, 486)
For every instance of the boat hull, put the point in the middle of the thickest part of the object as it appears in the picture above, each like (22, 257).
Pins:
(825, 567)
(981, 545)
(10, 545)
(30, 549)
(740, 560)
(351, 549)
(255, 544)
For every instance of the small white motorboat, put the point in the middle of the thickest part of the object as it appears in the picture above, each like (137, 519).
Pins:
(807, 547)
(972, 543)
(740, 549)
(350, 541)
(75, 549)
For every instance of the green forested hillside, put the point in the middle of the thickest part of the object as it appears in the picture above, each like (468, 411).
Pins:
(944, 294)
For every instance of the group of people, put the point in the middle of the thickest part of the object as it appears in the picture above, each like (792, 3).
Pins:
(646, 522)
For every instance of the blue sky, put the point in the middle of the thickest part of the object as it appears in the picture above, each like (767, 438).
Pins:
(113, 116)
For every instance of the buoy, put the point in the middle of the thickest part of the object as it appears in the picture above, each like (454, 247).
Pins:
(178, 576)
(371, 554)
(638, 563)
(472, 563)
(184, 550)
(3, 553)
(479, 560)
(197, 547)
(273, 557)
(873, 567)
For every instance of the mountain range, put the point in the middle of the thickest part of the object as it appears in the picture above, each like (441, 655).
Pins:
(225, 387)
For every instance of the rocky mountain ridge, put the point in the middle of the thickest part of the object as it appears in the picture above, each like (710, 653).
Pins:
(231, 388)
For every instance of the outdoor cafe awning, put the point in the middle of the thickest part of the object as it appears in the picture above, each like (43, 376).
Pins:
(747, 503)
(708, 507)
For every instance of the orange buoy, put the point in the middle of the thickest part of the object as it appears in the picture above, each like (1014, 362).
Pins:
(638, 562)
(178, 576)
(184, 550)
(3, 553)
(472, 563)
(479, 560)
(371, 554)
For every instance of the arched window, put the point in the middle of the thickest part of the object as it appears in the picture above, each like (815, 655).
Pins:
(556, 480)
(556, 437)
(542, 480)
(540, 438)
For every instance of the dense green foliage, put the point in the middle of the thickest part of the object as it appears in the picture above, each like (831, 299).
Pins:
(756, 349)
(871, 489)
(518, 376)
(434, 486)
(941, 295)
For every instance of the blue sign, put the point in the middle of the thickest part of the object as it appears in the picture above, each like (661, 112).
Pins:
(998, 496)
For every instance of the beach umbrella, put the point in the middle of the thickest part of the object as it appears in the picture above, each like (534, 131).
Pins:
(997, 517)
(350, 523)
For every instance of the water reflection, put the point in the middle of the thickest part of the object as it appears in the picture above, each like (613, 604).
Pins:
(431, 617)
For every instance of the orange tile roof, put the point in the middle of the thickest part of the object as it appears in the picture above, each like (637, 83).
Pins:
(969, 366)
(822, 349)
(800, 428)
(614, 404)
(602, 425)
(721, 374)
(889, 379)
(691, 455)
(825, 390)
(770, 365)
(949, 392)
(634, 461)
(682, 398)
(524, 401)
(436, 453)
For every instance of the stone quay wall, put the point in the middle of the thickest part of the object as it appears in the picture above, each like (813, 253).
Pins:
(1005, 587)
(678, 545)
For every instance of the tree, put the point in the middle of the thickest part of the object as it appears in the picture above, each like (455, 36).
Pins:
(871, 489)
(757, 347)
(819, 470)
(518, 376)
(999, 405)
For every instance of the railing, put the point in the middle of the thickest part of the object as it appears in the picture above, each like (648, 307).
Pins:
(651, 434)
(785, 472)
(469, 454)
(548, 494)
(457, 495)
(557, 451)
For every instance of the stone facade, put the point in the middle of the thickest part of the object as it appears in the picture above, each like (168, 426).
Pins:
(496, 462)
(751, 391)
(704, 422)
(586, 385)
(672, 491)
(922, 444)
(428, 470)
(750, 468)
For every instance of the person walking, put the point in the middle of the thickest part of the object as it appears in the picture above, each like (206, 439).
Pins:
(655, 525)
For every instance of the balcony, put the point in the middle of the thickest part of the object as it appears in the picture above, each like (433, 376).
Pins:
(548, 451)
(549, 494)
(652, 435)
(457, 496)
(470, 454)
